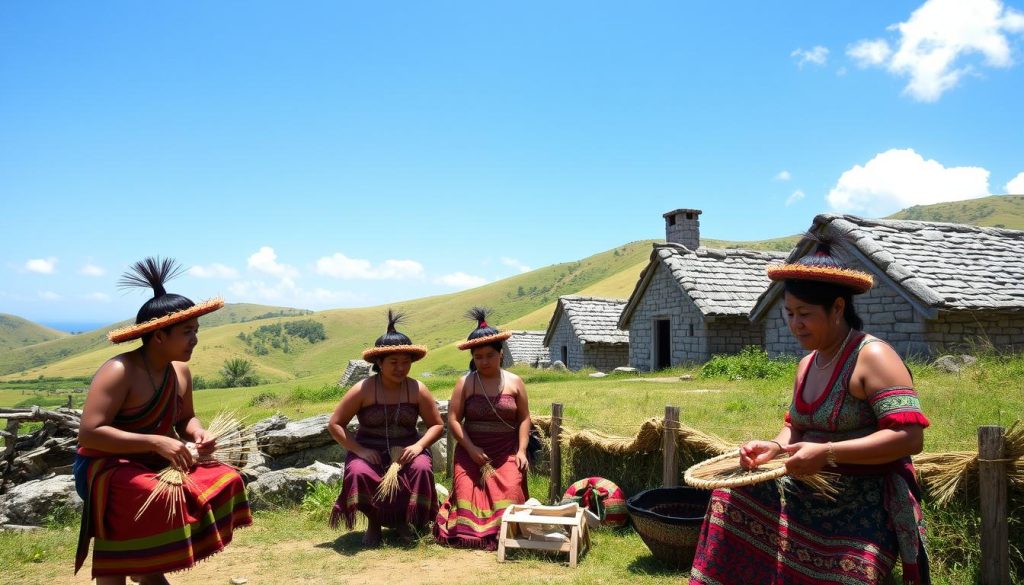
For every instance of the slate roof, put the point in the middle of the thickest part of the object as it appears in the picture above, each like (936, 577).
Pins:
(593, 319)
(936, 266)
(720, 282)
(526, 347)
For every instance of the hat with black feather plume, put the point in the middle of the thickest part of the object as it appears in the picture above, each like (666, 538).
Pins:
(823, 264)
(394, 341)
(483, 334)
(164, 309)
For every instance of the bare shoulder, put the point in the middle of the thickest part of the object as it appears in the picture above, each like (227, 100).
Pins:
(879, 354)
(878, 366)
(422, 388)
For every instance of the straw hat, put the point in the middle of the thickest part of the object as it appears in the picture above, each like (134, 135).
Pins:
(153, 273)
(385, 343)
(479, 314)
(822, 266)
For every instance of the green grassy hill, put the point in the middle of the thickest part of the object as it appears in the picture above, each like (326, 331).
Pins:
(17, 332)
(1005, 211)
(32, 360)
(433, 321)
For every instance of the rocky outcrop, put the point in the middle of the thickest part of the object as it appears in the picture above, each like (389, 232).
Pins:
(33, 502)
(290, 485)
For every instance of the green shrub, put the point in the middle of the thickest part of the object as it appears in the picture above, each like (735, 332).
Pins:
(239, 372)
(751, 363)
(319, 500)
(264, 399)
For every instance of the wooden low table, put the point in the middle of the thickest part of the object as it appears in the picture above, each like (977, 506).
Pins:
(517, 516)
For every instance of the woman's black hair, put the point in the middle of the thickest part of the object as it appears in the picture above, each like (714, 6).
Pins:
(391, 337)
(479, 314)
(824, 294)
(154, 273)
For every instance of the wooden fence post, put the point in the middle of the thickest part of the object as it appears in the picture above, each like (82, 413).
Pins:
(992, 480)
(670, 463)
(555, 489)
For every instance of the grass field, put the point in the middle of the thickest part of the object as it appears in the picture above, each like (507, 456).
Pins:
(292, 546)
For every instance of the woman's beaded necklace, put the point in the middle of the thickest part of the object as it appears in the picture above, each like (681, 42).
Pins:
(839, 351)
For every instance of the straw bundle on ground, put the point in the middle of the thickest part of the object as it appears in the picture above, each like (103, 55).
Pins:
(389, 482)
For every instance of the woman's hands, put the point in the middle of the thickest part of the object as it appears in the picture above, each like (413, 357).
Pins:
(172, 450)
(522, 461)
(478, 456)
(205, 443)
(369, 455)
(806, 458)
(755, 453)
(410, 453)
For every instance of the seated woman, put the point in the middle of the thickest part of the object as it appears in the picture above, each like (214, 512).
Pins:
(854, 413)
(489, 416)
(136, 419)
(387, 406)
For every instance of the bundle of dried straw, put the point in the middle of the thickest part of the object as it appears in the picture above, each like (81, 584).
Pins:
(234, 444)
(945, 475)
(389, 482)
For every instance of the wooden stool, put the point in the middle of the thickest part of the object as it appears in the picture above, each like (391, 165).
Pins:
(512, 535)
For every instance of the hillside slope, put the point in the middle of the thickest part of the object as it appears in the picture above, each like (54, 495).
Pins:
(17, 332)
(1005, 211)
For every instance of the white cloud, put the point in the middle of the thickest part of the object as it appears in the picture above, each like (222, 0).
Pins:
(265, 260)
(90, 269)
(286, 291)
(783, 175)
(816, 56)
(1016, 185)
(339, 265)
(49, 295)
(899, 178)
(513, 263)
(461, 280)
(42, 265)
(794, 197)
(98, 297)
(936, 44)
(868, 53)
(215, 270)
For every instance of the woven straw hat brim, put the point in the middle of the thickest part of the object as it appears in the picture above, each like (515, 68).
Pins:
(485, 340)
(136, 331)
(417, 352)
(858, 281)
(698, 477)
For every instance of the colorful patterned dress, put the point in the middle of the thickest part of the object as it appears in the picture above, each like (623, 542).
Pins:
(114, 487)
(472, 514)
(761, 534)
(382, 426)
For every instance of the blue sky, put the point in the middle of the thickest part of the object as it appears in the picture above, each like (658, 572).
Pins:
(331, 154)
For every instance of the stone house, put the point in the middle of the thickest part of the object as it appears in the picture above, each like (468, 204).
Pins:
(938, 286)
(692, 302)
(583, 332)
(525, 348)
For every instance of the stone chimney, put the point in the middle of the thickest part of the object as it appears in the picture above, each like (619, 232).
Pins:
(682, 226)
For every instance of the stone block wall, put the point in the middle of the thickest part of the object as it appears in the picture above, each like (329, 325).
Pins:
(680, 230)
(964, 332)
(663, 299)
(605, 356)
(728, 335)
(564, 336)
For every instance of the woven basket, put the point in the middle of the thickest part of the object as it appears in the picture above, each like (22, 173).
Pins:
(669, 521)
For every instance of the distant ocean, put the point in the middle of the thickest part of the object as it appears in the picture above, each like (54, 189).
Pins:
(73, 326)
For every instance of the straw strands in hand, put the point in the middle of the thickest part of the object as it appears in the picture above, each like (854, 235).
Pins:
(725, 471)
(234, 444)
(389, 482)
(486, 472)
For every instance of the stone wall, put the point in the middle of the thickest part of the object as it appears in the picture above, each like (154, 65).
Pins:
(663, 299)
(729, 335)
(889, 316)
(564, 336)
(605, 356)
(680, 230)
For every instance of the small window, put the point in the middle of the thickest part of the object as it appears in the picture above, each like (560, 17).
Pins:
(689, 216)
(671, 220)
(691, 329)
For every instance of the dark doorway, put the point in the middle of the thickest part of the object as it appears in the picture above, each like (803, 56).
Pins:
(663, 344)
(565, 355)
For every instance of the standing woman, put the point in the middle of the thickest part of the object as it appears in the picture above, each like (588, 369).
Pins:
(387, 406)
(136, 421)
(489, 416)
(854, 413)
